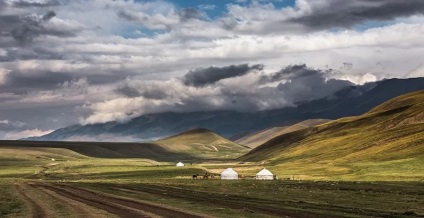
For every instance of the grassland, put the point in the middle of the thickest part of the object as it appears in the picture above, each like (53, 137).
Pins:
(365, 166)
(256, 139)
(49, 182)
(203, 143)
(79, 186)
(386, 144)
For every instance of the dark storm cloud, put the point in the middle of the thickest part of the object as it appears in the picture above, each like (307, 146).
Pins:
(25, 28)
(149, 92)
(296, 83)
(26, 4)
(8, 22)
(19, 83)
(300, 83)
(49, 15)
(128, 91)
(190, 13)
(31, 27)
(207, 76)
(290, 86)
(341, 13)
(312, 85)
(31, 53)
(288, 72)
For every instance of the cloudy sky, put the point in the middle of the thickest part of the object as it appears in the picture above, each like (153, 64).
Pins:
(88, 61)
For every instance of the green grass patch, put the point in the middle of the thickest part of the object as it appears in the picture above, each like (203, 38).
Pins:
(10, 204)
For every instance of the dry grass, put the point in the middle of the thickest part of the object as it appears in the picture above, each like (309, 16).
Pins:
(385, 144)
(255, 139)
(203, 143)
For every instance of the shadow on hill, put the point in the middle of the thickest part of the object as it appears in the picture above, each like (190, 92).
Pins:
(396, 125)
(106, 149)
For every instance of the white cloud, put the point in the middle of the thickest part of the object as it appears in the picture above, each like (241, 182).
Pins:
(360, 79)
(153, 44)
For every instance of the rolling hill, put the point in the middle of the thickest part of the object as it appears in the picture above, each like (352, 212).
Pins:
(100, 149)
(351, 101)
(191, 145)
(386, 143)
(255, 139)
(203, 143)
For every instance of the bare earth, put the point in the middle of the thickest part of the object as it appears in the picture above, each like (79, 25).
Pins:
(86, 203)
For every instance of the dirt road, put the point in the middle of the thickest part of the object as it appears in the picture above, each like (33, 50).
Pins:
(87, 201)
(35, 209)
(251, 205)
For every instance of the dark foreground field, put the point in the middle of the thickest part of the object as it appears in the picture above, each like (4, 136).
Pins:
(212, 198)
(56, 182)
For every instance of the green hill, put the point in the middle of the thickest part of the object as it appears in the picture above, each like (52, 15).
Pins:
(255, 139)
(203, 143)
(387, 143)
(191, 145)
(97, 149)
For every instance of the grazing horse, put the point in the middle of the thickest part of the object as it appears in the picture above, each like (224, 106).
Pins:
(195, 176)
(206, 176)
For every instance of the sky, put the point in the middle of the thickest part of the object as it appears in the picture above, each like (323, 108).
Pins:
(66, 62)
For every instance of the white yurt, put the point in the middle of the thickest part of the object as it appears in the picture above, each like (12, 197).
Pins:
(229, 174)
(265, 175)
(180, 164)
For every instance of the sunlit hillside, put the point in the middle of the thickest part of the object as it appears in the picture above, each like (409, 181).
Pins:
(255, 139)
(203, 143)
(387, 143)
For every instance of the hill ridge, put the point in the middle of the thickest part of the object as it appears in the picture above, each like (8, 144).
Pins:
(355, 146)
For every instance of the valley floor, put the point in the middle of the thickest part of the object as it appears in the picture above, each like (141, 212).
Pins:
(211, 198)
(46, 182)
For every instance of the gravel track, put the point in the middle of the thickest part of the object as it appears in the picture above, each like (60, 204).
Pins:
(37, 211)
(118, 206)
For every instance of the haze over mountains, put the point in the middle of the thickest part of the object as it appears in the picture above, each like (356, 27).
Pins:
(351, 101)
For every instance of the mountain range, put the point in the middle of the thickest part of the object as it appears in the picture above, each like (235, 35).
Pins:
(351, 101)
(386, 144)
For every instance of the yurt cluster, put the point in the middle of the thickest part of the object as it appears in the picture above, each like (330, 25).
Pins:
(264, 174)
(231, 174)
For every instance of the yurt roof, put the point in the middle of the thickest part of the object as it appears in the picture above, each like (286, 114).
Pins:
(264, 172)
(229, 171)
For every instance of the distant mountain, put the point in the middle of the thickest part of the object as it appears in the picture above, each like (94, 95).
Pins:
(255, 139)
(386, 143)
(203, 143)
(192, 145)
(351, 101)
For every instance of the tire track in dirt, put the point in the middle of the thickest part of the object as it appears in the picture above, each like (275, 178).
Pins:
(235, 203)
(78, 209)
(94, 201)
(37, 211)
(119, 206)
